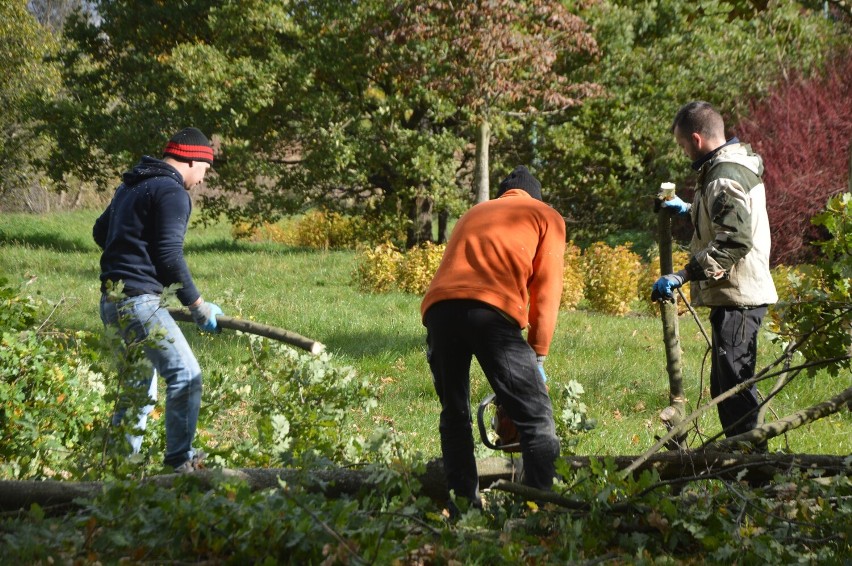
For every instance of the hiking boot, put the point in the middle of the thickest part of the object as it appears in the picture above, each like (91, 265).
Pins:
(193, 464)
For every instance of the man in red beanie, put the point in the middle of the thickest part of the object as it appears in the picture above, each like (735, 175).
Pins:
(501, 273)
(142, 233)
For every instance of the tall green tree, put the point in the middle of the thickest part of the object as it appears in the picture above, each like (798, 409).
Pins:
(291, 92)
(609, 156)
(366, 105)
(27, 76)
(140, 71)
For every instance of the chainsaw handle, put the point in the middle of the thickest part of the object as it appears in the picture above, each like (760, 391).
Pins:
(483, 433)
(480, 421)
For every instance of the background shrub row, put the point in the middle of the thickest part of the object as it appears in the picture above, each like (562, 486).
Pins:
(610, 279)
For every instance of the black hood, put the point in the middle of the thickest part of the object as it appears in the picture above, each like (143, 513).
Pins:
(149, 167)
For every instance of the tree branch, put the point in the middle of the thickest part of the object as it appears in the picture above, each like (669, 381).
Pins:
(782, 425)
(681, 427)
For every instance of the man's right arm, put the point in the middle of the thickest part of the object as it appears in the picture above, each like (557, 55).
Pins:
(172, 216)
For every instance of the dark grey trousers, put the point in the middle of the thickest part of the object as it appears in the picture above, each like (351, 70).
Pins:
(457, 330)
(733, 361)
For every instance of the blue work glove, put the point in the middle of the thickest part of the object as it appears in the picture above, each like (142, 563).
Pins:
(676, 205)
(540, 364)
(664, 286)
(204, 316)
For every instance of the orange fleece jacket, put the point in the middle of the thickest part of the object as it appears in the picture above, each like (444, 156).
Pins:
(509, 253)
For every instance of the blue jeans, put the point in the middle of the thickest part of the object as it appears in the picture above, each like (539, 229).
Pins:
(136, 318)
(457, 331)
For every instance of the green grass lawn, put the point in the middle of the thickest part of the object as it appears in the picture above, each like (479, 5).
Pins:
(619, 361)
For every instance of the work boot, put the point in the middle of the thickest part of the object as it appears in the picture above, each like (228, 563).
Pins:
(193, 464)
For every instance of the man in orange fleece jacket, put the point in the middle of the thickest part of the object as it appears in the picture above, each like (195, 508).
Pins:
(501, 273)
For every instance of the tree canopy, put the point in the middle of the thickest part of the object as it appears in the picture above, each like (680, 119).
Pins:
(24, 46)
(388, 108)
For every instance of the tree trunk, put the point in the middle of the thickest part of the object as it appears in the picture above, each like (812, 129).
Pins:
(481, 175)
(443, 226)
(420, 229)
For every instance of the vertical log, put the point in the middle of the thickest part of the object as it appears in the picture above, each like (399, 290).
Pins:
(672, 415)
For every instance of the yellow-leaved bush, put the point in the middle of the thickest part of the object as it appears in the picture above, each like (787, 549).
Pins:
(785, 277)
(612, 276)
(321, 229)
(573, 283)
(325, 230)
(376, 268)
(418, 266)
(266, 232)
(384, 268)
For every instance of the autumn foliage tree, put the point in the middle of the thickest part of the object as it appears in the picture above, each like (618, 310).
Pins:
(803, 131)
(492, 58)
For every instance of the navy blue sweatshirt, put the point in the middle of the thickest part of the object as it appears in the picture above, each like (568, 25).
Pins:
(142, 232)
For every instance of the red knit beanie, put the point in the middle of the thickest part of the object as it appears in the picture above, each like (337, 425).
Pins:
(189, 144)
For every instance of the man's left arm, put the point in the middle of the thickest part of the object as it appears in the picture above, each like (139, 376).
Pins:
(546, 286)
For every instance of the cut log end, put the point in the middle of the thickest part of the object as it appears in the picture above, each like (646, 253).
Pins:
(671, 414)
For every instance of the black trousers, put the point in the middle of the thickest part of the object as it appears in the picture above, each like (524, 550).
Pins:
(457, 330)
(733, 361)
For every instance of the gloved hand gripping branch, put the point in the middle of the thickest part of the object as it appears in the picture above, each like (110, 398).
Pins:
(663, 289)
(204, 316)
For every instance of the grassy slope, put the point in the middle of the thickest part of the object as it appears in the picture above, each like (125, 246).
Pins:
(619, 361)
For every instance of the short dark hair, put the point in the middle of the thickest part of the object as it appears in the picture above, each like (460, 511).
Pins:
(699, 117)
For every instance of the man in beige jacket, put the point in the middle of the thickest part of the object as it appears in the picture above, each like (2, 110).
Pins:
(729, 263)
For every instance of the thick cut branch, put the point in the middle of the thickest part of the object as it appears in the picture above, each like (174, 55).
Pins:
(258, 329)
(790, 422)
(672, 415)
(681, 428)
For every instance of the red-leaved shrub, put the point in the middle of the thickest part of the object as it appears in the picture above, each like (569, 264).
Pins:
(803, 132)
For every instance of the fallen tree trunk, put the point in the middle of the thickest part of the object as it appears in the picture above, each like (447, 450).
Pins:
(672, 466)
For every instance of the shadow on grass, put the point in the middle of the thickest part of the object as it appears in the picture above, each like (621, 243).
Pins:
(361, 344)
(236, 246)
(47, 240)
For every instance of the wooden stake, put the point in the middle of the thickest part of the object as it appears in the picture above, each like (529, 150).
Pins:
(672, 415)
